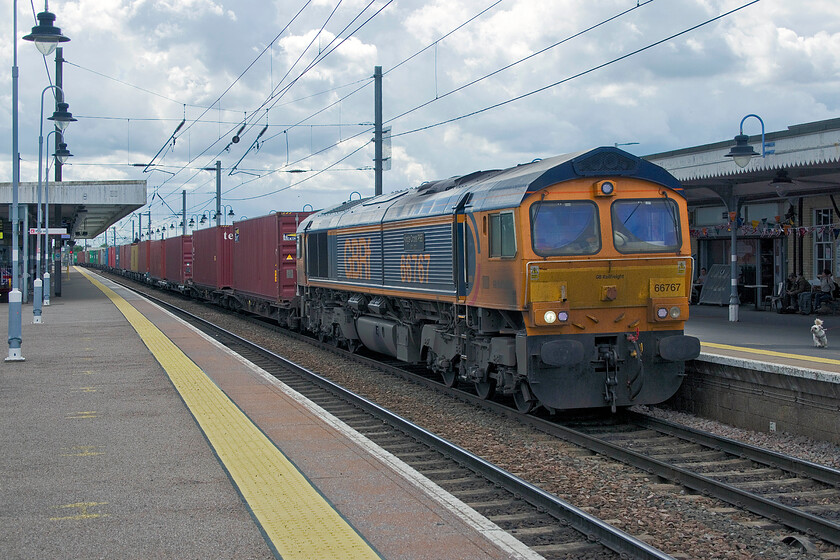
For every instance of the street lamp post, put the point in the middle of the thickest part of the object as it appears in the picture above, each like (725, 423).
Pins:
(61, 155)
(46, 37)
(741, 153)
(62, 119)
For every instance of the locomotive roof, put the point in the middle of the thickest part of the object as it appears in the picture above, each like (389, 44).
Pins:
(489, 190)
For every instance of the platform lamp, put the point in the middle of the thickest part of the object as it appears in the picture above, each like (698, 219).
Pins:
(62, 154)
(741, 153)
(222, 214)
(46, 38)
(62, 119)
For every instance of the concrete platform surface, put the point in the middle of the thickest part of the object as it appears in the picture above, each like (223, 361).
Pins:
(104, 458)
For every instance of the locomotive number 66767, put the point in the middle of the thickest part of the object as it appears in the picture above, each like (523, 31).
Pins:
(563, 282)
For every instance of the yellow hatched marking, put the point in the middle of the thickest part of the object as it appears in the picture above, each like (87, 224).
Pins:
(85, 389)
(83, 451)
(772, 353)
(89, 372)
(82, 414)
(297, 520)
(83, 511)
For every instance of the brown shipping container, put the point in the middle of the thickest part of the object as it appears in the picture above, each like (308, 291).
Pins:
(157, 259)
(143, 257)
(125, 257)
(213, 257)
(179, 255)
(264, 252)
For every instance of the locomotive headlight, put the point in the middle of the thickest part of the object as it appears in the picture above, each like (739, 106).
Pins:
(550, 317)
(661, 312)
(563, 316)
(674, 312)
(604, 188)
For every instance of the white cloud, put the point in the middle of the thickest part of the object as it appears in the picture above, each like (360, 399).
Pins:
(778, 59)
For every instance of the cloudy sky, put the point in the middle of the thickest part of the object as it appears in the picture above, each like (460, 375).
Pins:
(468, 85)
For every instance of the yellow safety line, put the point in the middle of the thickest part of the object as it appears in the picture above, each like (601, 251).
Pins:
(297, 520)
(772, 353)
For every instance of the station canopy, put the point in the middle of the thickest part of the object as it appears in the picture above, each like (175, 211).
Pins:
(84, 209)
(802, 161)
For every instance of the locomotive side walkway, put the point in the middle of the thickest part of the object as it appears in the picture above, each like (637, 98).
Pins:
(103, 459)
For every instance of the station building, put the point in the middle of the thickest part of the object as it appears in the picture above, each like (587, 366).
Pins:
(784, 205)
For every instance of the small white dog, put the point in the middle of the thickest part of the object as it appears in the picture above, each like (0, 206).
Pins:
(818, 334)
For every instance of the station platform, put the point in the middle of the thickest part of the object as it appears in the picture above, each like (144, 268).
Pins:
(766, 336)
(128, 434)
(763, 372)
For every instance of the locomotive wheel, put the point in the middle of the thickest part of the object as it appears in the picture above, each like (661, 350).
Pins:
(450, 377)
(523, 399)
(485, 389)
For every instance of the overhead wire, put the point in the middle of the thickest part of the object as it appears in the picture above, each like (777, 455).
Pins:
(367, 83)
(523, 59)
(323, 54)
(319, 58)
(578, 75)
(565, 80)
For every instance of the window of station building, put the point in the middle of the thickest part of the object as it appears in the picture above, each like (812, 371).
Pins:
(646, 226)
(823, 241)
(502, 235)
(565, 228)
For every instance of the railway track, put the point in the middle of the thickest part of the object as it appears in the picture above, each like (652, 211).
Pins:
(550, 527)
(782, 489)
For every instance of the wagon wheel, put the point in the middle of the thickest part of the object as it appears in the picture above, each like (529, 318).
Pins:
(485, 389)
(523, 399)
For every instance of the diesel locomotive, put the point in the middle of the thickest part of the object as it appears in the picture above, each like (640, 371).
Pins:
(563, 282)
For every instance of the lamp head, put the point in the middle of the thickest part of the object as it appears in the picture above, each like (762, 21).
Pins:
(61, 116)
(45, 35)
(782, 183)
(62, 153)
(741, 153)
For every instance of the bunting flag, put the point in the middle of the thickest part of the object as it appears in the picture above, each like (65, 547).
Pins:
(765, 228)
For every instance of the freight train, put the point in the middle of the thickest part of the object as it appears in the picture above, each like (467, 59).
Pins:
(562, 283)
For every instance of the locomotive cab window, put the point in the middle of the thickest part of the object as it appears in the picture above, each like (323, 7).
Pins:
(502, 235)
(646, 226)
(565, 228)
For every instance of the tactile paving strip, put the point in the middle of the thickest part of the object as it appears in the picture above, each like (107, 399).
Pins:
(297, 520)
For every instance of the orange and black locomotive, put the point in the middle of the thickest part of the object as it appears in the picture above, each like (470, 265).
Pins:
(563, 282)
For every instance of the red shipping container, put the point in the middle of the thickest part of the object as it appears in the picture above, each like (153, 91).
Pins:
(157, 262)
(179, 256)
(264, 252)
(112, 257)
(212, 265)
(143, 257)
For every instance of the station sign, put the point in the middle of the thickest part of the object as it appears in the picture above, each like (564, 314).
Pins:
(53, 231)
